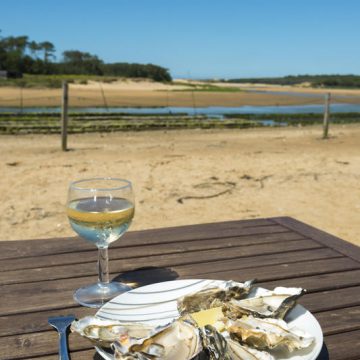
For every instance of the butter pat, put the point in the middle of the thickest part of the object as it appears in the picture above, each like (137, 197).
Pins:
(209, 317)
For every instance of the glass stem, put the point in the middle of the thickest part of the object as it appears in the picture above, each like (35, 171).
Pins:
(103, 265)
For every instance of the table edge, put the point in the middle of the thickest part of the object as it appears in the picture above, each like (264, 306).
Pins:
(342, 246)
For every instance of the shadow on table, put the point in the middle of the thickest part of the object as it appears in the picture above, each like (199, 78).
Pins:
(146, 275)
(324, 354)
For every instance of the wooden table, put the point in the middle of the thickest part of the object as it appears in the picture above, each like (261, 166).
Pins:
(38, 277)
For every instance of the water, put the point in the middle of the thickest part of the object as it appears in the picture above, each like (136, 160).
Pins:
(209, 111)
(302, 94)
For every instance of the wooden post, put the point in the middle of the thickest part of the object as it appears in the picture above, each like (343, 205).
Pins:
(326, 116)
(21, 98)
(64, 115)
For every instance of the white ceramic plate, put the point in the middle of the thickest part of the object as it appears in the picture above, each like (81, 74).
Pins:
(156, 304)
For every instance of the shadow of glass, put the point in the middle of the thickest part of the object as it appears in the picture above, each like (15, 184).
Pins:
(146, 275)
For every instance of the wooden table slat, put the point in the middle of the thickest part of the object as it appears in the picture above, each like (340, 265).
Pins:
(339, 320)
(152, 249)
(344, 346)
(344, 247)
(332, 299)
(162, 259)
(320, 282)
(286, 271)
(44, 247)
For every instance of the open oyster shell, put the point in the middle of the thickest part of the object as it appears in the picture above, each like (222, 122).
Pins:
(104, 332)
(273, 304)
(178, 341)
(242, 352)
(213, 297)
(268, 334)
(223, 348)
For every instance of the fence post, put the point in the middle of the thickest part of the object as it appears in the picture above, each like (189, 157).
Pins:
(326, 116)
(64, 115)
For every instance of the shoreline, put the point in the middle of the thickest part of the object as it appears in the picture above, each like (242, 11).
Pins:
(148, 94)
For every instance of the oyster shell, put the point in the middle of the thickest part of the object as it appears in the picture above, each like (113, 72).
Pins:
(242, 352)
(179, 340)
(273, 304)
(215, 344)
(223, 348)
(213, 297)
(105, 332)
(268, 334)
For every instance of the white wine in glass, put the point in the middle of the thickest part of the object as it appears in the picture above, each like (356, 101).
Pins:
(100, 210)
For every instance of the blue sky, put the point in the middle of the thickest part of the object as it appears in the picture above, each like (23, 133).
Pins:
(199, 38)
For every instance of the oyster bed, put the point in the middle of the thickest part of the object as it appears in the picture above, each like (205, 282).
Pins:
(248, 325)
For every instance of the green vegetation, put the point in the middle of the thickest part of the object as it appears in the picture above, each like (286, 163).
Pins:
(299, 119)
(49, 123)
(207, 88)
(19, 55)
(53, 81)
(110, 122)
(332, 81)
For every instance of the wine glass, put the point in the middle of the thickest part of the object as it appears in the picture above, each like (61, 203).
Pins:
(100, 210)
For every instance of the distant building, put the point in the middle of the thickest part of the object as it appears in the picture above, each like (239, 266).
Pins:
(4, 74)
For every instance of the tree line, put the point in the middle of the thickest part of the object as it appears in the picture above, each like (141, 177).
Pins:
(344, 81)
(19, 55)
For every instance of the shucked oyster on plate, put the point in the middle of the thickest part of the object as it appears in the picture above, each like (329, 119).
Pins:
(216, 323)
(213, 297)
(219, 347)
(104, 332)
(268, 334)
(179, 340)
(273, 304)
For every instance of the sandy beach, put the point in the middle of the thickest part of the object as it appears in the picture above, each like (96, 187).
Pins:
(145, 93)
(187, 177)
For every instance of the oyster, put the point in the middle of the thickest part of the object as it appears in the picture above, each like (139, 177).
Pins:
(242, 352)
(268, 334)
(105, 332)
(213, 297)
(179, 340)
(274, 304)
(223, 348)
(215, 344)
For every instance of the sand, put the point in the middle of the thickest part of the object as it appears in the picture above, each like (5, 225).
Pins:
(145, 93)
(260, 173)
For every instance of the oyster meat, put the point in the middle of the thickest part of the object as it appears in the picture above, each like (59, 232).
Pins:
(223, 348)
(105, 332)
(242, 352)
(273, 304)
(179, 340)
(268, 334)
(213, 297)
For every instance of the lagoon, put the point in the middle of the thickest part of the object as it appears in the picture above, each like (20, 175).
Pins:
(209, 111)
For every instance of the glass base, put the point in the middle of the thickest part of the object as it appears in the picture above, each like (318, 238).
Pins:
(96, 295)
